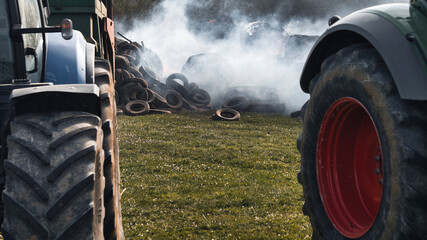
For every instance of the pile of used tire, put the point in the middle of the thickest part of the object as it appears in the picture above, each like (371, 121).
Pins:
(139, 89)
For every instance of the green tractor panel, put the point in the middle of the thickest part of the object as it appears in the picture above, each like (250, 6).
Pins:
(59, 151)
(364, 140)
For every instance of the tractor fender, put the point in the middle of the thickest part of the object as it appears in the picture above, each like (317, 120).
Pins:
(390, 35)
(69, 61)
(52, 98)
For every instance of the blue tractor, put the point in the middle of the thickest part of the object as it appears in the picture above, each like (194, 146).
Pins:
(59, 171)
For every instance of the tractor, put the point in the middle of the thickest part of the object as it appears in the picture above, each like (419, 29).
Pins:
(364, 140)
(59, 172)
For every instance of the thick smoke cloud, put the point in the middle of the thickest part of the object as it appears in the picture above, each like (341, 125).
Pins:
(179, 29)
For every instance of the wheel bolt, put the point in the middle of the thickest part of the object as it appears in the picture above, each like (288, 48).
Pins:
(381, 181)
(377, 171)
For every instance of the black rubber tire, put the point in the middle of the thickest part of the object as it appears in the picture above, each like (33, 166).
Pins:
(140, 81)
(240, 103)
(158, 102)
(142, 94)
(121, 75)
(359, 72)
(113, 228)
(295, 114)
(193, 88)
(54, 177)
(131, 59)
(127, 91)
(131, 49)
(122, 62)
(150, 96)
(188, 105)
(226, 114)
(174, 99)
(201, 97)
(159, 87)
(179, 76)
(135, 71)
(136, 107)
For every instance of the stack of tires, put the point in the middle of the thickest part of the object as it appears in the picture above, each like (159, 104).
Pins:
(140, 90)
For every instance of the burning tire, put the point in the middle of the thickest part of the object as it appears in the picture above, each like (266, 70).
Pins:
(363, 152)
(226, 114)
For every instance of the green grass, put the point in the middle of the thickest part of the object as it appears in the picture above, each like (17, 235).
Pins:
(185, 176)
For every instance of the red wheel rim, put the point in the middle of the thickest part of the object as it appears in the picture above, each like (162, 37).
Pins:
(349, 167)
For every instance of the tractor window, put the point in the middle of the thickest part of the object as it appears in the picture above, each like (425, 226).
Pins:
(33, 43)
(6, 55)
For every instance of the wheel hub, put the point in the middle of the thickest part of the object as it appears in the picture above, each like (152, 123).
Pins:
(349, 167)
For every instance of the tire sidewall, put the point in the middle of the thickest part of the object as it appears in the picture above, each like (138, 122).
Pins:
(331, 87)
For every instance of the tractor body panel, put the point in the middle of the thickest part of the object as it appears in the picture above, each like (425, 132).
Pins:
(396, 31)
(67, 61)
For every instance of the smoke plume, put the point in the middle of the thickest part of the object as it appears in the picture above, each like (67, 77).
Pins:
(269, 63)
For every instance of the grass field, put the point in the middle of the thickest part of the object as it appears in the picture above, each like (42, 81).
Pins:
(185, 176)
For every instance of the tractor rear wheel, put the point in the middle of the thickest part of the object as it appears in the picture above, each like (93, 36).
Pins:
(54, 177)
(113, 228)
(363, 152)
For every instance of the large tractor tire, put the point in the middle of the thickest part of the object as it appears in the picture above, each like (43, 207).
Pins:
(54, 177)
(113, 228)
(363, 152)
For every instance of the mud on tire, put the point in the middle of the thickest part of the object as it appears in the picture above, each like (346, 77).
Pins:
(363, 152)
(113, 228)
(54, 177)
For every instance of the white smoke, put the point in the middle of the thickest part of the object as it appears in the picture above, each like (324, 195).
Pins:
(167, 33)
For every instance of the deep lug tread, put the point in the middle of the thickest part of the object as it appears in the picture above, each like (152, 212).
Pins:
(31, 148)
(406, 120)
(105, 96)
(26, 216)
(106, 127)
(69, 195)
(94, 119)
(76, 189)
(41, 128)
(64, 138)
(74, 227)
(40, 190)
(55, 173)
